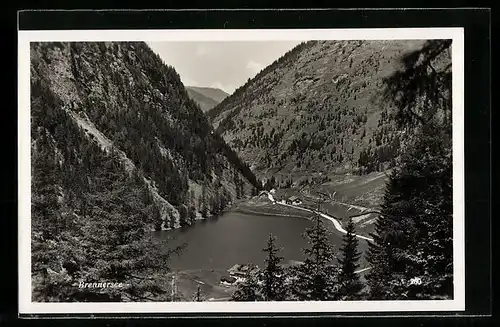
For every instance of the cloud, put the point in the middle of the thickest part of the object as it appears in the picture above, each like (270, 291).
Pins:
(225, 65)
(255, 67)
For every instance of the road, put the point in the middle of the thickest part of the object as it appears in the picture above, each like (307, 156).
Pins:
(335, 222)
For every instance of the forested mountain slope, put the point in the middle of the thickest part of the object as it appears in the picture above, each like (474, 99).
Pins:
(206, 97)
(319, 109)
(410, 256)
(96, 105)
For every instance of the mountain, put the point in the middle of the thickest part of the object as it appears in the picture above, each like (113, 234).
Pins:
(319, 110)
(206, 97)
(115, 114)
(214, 93)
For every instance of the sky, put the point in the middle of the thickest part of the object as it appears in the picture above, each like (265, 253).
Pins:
(224, 65)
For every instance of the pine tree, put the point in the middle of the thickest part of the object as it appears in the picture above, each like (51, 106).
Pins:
(413, 238)
(317, 274)
(183, 216)
(46, 207)
(191, 215)
(203, 202)
(379, 256)
(219, 202)
(237, 183)
(350, 284)
(48, 238)
(242, 188)
(169, 218)
(198, 296)
(111, 247)
(214, 209)
(416, 209)
(273, 274)
(156, 217)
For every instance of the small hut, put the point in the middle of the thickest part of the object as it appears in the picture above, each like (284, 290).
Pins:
(228, 279)
(294, 200)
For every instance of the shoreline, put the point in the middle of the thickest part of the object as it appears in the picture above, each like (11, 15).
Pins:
(257, 212)
(336, 223)
(238, 208)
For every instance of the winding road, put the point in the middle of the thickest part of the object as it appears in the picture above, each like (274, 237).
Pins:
(335, 222)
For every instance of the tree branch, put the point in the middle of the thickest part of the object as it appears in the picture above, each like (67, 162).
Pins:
(433, 70)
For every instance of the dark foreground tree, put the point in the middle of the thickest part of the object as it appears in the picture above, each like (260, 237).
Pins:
(117, 245)
(109, 246)
(350, 285)
(412, 252)
(316, 276)
(273, 276)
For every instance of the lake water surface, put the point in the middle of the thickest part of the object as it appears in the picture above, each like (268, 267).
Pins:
(239, 238)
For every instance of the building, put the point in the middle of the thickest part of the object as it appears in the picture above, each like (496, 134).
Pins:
(242, 270)
(228, 279)
(294, 200)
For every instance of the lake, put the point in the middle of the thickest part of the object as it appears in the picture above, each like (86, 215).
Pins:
(235, 237)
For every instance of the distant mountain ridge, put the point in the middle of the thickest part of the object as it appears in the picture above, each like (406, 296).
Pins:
(206, 97)
(319, 110)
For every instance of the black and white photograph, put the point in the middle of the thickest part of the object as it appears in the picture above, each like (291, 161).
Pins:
(236, 169)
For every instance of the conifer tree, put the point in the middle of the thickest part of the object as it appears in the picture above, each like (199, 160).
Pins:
(198, 296)
(273, 274)
(242, 188)
(413, 238)
(237, 185)
(203, 202)
(350, 284)
(183, 216)
(46, 207)
(213, 206)
(204, 210)
(169, 218)
(156, 217)
(379, 256)
(317, 274)
(191, 215)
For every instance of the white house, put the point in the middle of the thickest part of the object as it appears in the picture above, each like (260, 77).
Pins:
(294, 200)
